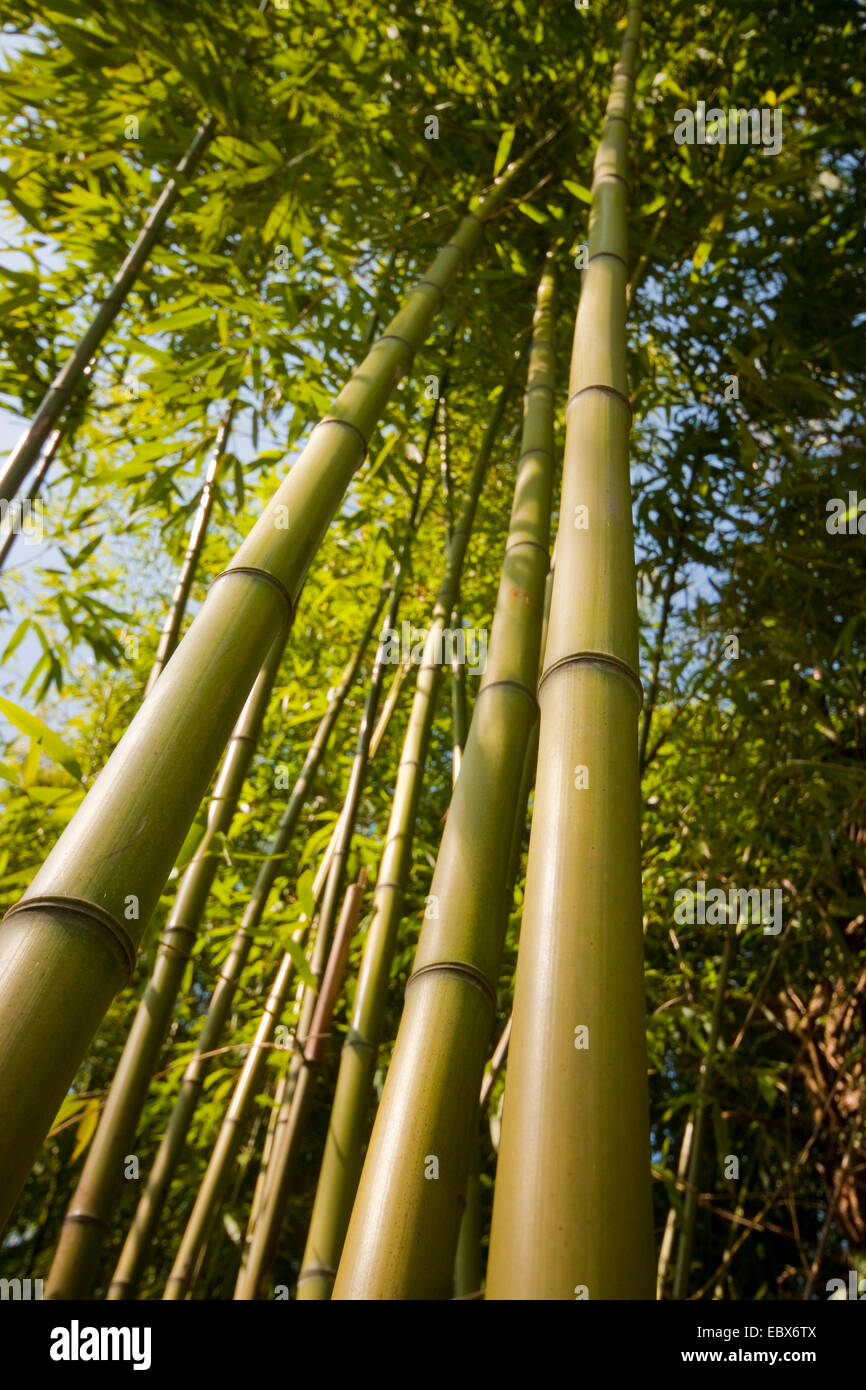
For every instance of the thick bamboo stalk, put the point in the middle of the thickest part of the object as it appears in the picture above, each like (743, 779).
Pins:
(690, 1205)
(403, 1232)
(341, 1163)
(127, 1274)
(572, 1213)
(87, 1221)
(69, 937)
(170, 634)
(59, 393)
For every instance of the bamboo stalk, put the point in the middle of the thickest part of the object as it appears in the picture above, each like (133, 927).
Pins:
(193, 1244)
(87, 1220)
(272, 1192)
(126, 834)
(690, 1205)
(127, 1273)
(170, 634)
(59, 393)
(572, 1213)
(341, 1162)
(667, 1245)
(404, 1227)
(51, 447)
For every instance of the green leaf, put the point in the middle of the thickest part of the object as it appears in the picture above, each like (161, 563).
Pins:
(50, 742)
(503, 149)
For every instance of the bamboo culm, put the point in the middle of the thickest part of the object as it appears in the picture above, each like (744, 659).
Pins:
(266, 1218)
(572, 1210)
(168, 638)
(690, 1205)
(341, 1163)
(403, 1233)
(124, 838)
(127, 1273)
(87, 1220)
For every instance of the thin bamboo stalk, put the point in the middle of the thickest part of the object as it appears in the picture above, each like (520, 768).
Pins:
(404, 1228)
(125, 836)
(272, 1192)
(193, 1244)
(127, 1274)
(59, 393)
(341, 1163)
(170, 634)
(572, 1213)
(690, 1205)
(667, 1245)
(48, 456)
(87, 1220)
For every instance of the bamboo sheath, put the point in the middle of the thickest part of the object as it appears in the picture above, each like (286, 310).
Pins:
(126, 1276)
(341, 1162)
(572, 1210)
(168, 638)
(87, 1220)
(59, 393)
(68, 936)
(403, 1232)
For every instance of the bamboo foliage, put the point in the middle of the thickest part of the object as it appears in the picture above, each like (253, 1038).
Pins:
(403, 1232)
(120, 845)
(341, 1162)
(87, 1220)
(60, 392)
(125, 1279)
(572, 1211)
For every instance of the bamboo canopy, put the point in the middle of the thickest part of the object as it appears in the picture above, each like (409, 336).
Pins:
(572, 1214)
(119, 848)
(60, 392)
(403, 1232)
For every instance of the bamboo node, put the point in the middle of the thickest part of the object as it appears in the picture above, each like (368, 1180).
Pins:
(432, 283)
(608, 390)
(335, 420)
(93, 914)
(86, 1218)
(515, 685)
(458, 967)
(317, 1272)
(260, 574)
(597, 659)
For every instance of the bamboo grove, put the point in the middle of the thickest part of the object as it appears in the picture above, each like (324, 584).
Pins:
(427, 614)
